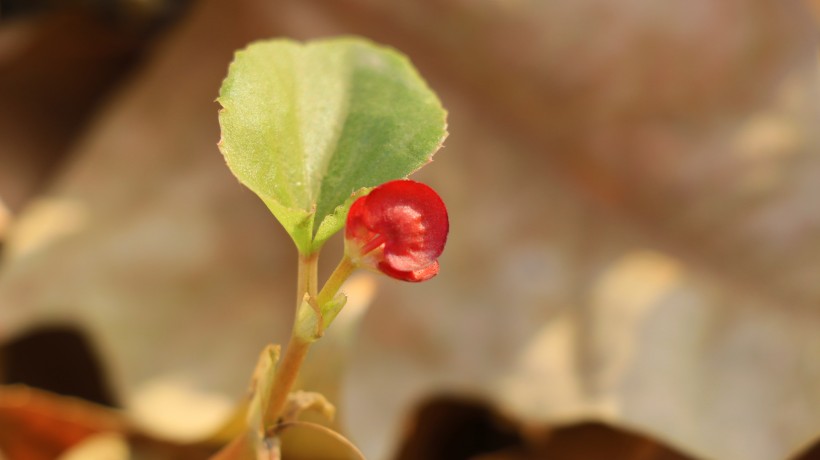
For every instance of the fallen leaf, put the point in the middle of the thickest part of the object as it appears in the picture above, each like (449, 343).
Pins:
(453, 427)
(105, 446)
(41, 116)
(37, 425)
(811, 452)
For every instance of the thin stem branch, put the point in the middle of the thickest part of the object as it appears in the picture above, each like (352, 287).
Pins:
(313, 276)
(307, 275)
(324, 430)
(337, 278)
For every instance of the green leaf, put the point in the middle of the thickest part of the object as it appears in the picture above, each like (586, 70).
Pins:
(305, 126)
(312, 319)
(333, 308)
(309, 322)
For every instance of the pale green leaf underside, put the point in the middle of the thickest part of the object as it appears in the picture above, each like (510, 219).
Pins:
(306, 125)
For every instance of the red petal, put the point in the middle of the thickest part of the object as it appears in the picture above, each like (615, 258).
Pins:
(412, 218)
(355, 225)
(400, 228)
(415, 276)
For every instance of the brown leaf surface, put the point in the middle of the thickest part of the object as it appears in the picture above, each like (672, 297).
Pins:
(39, 425)
(634, 236)
(445, 428)
(42, 115)
(810, 453)
(36, 425)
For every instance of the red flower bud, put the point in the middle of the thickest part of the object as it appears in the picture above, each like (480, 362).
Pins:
(399, 229)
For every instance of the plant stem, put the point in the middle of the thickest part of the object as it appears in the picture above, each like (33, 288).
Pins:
(286, 374)
(307, 275)
(339, 276)
(297, 349)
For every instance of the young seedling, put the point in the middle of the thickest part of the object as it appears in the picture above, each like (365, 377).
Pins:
(325, 133)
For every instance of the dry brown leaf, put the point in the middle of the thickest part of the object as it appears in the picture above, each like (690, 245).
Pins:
(36, 425)
(445, 428)
(104, 446)
(811, 452)
(55, 69)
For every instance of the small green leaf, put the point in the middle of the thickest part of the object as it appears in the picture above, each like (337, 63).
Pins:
(333, 308)
(305, 126)
(309, 325)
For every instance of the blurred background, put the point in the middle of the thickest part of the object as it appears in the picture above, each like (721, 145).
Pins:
(632, 270)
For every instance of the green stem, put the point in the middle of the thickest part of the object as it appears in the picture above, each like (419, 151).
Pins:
(334, 283)
(286, 374)
(297, 349)
(307, 275)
